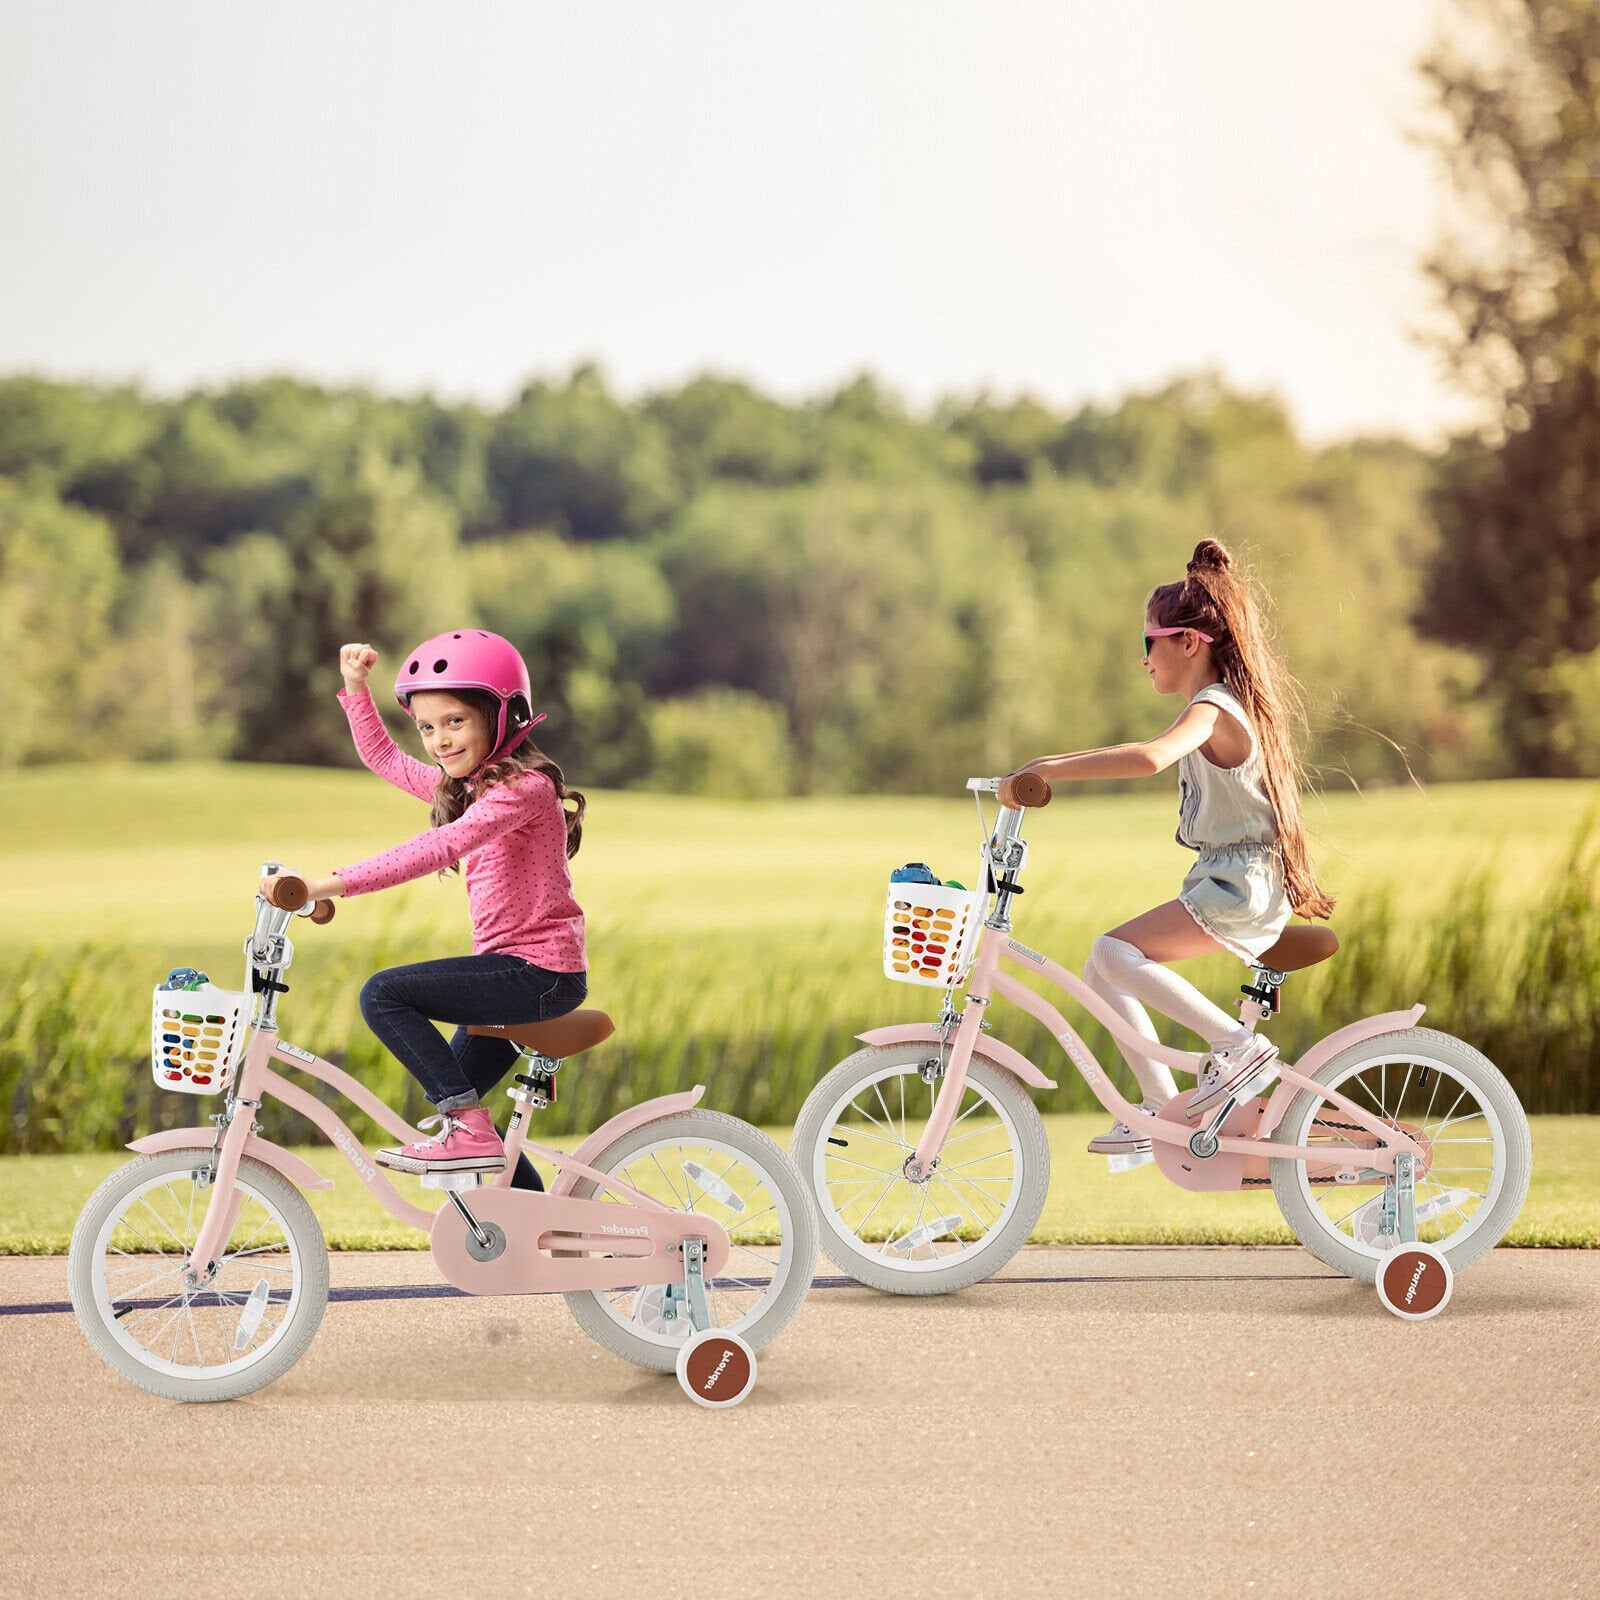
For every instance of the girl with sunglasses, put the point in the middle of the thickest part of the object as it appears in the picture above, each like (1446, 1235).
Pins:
(1238, 809)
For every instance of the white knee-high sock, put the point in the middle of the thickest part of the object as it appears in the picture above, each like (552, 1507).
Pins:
(1129, 969)
(1155, 1078)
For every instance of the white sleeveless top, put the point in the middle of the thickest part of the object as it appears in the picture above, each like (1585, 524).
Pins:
(1222, 807)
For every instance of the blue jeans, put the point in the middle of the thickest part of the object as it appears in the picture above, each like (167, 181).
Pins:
(401, 1004)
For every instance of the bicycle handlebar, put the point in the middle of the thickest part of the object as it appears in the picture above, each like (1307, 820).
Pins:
(1031, 790)
(289, 893)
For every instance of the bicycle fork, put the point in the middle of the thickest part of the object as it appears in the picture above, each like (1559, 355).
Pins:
(923, 1162)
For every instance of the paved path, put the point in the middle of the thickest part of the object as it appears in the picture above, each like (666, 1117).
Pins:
(1102, 1422)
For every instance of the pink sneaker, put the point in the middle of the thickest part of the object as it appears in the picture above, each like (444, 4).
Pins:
(466, 1142)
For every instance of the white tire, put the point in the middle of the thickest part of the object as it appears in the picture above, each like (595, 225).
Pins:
(965, 1223)
(1481, 1151)
(245, 1328)
(709, 1162)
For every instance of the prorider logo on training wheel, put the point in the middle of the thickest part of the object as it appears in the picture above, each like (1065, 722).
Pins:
(1414, 1282)
(718, 1367)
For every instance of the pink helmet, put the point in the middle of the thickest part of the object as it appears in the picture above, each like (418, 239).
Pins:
(473, 659)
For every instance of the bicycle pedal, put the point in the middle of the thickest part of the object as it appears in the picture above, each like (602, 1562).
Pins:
(449, 1180)
(1127, 1163)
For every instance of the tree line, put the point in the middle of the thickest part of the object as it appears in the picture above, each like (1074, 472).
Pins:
(714, 590)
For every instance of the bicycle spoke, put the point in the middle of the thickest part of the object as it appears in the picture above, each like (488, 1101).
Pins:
(1410, 1068)
(861, 1226)
(1369, 1094)
(687, 1205)
(971, 1133)
(880, 1172)
(878, 1138)
(1453, 1104)
(164, 1223)
(152, 1311)
(971, 1183)
(874, 1121)
(889, 1237)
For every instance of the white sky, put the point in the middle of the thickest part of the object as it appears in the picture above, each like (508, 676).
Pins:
(1074, 199)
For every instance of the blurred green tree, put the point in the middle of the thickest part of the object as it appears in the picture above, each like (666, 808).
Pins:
(1517, 579)
(374, 557)
(58, 581)
(575, 459)
(720, 741)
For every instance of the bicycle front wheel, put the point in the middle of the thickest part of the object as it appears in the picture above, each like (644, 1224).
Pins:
(714, 1164)
(851, 1142)
(1470, 1122)
(239, 1332)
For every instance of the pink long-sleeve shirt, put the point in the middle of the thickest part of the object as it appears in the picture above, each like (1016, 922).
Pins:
(511, 843)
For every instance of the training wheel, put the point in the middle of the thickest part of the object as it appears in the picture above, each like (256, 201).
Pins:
(1414, 1282)
(716, 1369)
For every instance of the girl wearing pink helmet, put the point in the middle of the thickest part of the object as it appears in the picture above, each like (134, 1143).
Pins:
(499, 812)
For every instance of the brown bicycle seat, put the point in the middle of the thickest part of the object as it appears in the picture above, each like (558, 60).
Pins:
(1299, 947)
(560, 1038)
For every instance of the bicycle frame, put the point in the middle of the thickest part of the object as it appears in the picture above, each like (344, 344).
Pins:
(1245, 1134)
(987, 980)
(601, 1245)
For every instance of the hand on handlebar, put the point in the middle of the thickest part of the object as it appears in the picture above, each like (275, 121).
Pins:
(290, 891)
(1024, 787)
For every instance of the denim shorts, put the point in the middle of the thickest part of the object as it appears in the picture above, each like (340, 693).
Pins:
(1236, 894)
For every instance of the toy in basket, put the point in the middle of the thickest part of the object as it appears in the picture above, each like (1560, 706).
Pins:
(929, 928)
(197, 1032)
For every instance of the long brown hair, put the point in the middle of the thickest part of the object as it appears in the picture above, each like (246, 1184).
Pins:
(1217, 599)
(453, 796)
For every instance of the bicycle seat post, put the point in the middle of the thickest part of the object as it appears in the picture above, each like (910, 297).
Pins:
(1261, 997)
(532, 1090)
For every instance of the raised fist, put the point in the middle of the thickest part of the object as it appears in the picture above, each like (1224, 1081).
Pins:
(355, 662)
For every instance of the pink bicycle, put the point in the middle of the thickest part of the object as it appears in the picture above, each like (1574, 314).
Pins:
(929, 1161)
(682, 1238)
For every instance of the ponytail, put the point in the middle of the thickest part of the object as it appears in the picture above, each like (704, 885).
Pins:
(1217, 599)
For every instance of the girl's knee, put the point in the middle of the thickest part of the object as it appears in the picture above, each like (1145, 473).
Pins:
(1114, 957)
(377, 994)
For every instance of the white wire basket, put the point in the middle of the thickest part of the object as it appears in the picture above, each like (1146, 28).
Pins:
(198, 1037)
(930, 933)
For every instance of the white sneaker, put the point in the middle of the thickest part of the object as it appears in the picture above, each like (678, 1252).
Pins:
(1121, 1140)
(1243, 1069)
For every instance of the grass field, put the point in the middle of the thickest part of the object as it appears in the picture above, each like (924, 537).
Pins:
(162, 859)
(40, 1197)
(738, 943)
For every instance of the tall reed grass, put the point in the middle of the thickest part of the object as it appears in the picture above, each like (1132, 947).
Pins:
(758, 1017)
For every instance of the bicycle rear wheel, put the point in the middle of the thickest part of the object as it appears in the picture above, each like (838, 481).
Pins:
(239, 1332)
(1480, 1152)
(717, 1165)
(853, 1137)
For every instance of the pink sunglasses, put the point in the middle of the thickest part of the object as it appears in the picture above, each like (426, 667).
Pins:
(1166, 633)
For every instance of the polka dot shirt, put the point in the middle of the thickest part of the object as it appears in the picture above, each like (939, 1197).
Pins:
(511, 843)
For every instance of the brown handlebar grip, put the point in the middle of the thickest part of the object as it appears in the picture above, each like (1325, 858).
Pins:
(323, 912)
(287, 892)
(1031, 790)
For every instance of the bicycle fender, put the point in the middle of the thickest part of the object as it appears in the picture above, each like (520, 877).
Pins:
(1325, 1050)
(995, 1051)
(298, 1172)
(666, 1105)
(1366, 1028)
